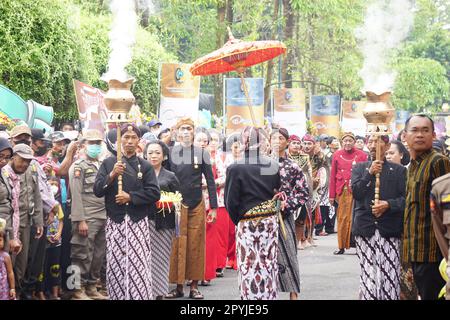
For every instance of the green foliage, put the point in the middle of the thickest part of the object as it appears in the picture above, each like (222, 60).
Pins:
(423, 65)
(421, 84)
(187, 27)
(327, 50)
(147, 57)
(433, 45)
(45, 44)
(39, 52)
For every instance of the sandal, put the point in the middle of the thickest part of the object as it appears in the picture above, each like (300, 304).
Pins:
(205, 283)
(195, 294)
(340, 251)
(174, 294)
(219, 273)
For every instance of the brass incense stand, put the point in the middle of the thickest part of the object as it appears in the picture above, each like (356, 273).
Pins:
(379, 114)
(118, 100)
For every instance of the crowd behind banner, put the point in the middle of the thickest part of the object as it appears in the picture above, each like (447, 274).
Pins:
(193, 202)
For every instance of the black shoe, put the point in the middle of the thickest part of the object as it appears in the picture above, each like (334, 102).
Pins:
(26, 296)
(219, 273)
(340, 251)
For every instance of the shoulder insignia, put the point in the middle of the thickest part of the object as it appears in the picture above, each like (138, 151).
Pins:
(432, 205)
(446, 198)
(33, 167)
(77, 172)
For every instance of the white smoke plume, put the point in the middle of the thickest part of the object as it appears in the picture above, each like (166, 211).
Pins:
(147, 5)
(386, 24)
(121, 38)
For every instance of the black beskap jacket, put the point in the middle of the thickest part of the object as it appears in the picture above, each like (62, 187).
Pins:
(143, 192)
(392, 190)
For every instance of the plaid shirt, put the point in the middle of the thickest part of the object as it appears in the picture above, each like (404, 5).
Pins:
(419, 242)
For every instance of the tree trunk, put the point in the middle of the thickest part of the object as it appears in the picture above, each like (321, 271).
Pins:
(271, 63)
(289, 28)
(312, 77)
(229, 13)
(220, 40)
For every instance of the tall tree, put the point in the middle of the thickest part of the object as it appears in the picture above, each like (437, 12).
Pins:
(271, 63)
(288, 38)
(220, 40)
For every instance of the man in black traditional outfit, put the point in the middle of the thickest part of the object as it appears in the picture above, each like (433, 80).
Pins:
(188, 162)
(250, 187)
(128, 252)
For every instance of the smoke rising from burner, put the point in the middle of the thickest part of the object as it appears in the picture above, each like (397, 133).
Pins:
(386, 24)
(122, 38)
(147, 5)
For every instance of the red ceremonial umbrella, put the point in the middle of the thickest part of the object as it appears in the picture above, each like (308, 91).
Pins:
(236, 55)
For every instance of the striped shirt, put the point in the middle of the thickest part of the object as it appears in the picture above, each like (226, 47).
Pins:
(419, 242)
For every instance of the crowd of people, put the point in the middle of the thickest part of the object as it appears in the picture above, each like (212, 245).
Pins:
(81, 221)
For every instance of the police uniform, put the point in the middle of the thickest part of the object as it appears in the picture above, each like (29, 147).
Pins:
(440, 215)
(87, 253)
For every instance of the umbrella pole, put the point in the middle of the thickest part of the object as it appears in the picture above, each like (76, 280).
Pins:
(249, 101)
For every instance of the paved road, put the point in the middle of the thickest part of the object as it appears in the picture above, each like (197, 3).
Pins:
(324, 276)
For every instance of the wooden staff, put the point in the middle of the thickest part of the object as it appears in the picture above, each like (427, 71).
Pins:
(377, 176)
(119, 156)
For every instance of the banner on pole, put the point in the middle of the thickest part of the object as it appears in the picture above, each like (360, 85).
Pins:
(91, 108)
(352, 117)
(400, 118)
(180, 92)
(289, 109)
(325, 112)
(236, 106)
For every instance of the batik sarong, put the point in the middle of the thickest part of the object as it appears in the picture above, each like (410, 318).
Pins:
(257, 246)
(161, 244)
(379, 259)
(288, 270)
(344, 219)
(128, 254)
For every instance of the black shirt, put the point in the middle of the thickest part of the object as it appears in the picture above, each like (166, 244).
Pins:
(188, 164)
(143, 192)
(392, 190)
(167, 182)
(250, 182)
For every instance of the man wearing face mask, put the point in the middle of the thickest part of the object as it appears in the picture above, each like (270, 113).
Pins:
(39, 143)
(88, 218)
(155, 127)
